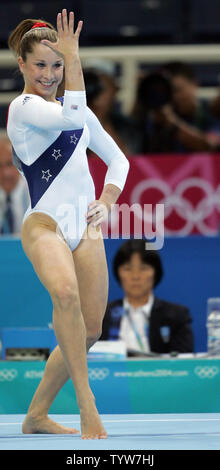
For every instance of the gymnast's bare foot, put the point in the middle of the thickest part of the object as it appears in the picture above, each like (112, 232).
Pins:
(44, 425)
(91, 424)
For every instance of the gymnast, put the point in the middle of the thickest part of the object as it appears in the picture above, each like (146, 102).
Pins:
(49, 137)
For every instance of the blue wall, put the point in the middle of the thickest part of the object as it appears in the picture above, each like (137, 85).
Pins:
(191, 266)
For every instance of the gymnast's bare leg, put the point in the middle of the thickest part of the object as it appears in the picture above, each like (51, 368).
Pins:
(77, 320)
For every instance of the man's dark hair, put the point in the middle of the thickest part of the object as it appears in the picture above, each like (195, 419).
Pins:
(151, 257)
(182, 69)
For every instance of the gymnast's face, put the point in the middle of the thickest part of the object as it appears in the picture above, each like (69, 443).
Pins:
(137, 277)
(42, 71)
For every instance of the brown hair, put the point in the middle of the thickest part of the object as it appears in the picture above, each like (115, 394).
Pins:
(21, 43)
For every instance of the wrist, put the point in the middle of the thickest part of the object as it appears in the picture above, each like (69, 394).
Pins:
(71, 57)
(106, 203)
(110, 195)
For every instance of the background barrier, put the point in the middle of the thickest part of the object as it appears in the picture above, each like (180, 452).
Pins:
(188, 186)
(148, 386)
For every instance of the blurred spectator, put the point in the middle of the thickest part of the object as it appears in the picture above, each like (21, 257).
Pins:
(14, 198)
(215, 106)
(145, 322)
(170, 114)
(101, 90)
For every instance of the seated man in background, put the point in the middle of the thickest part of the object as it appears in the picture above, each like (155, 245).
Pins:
(171, 115)
(14, 198)
(146, 323)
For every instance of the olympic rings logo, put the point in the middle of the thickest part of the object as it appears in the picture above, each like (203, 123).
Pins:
(7, 375)
(173, 199)
(206, 372)
(98, 374)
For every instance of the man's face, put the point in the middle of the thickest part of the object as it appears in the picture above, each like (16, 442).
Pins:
(8, 173)
(137, 278)
(184, 94)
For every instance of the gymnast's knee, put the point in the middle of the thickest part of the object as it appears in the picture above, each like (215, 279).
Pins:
(65, 296)
(93, 336)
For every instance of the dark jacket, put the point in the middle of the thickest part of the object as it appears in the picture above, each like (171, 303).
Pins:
(169, 326)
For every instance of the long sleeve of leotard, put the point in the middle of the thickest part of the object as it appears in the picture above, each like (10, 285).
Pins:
(105, 147)
(32, 110)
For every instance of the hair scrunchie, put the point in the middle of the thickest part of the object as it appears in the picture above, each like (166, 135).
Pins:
(39, 25)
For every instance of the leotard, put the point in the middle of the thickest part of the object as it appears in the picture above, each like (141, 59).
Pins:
(49, 145)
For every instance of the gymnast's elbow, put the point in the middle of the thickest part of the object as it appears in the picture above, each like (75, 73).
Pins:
(125, 164)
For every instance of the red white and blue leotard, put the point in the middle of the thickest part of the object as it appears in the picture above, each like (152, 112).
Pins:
(49, 148)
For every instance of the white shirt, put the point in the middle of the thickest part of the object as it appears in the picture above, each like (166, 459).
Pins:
(139, 317)
(19, 203)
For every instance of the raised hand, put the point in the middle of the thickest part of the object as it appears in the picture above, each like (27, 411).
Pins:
(68, 41)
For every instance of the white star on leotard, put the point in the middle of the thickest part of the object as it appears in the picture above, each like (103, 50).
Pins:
(56, 154)
(73, 139)
(47, 172)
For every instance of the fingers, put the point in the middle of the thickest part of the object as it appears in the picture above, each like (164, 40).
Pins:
(52, 46)
(71, 22)
(65, 21)
(93, 210)
(97, 213)
(64, 26)
(47, 43)
(79, 29)
(59, 23)
(96, 220)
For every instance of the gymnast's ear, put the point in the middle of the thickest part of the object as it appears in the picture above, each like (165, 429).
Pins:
(21, 64)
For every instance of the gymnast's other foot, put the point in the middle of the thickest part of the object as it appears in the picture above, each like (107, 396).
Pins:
(91, 424)
(44, 425)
